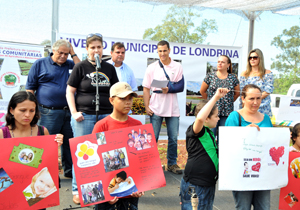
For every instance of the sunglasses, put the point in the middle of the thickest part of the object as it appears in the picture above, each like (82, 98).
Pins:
(95, 34)
(253, 57)
(62, 53)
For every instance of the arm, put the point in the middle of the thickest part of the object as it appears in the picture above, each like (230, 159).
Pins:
(72, 52)
(146, 97)
(70, 92)
(31, 91)
(203, 90)
(236, 92)
(1, 134)
(111, 190)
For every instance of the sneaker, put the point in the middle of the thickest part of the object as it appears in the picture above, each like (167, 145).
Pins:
(76, 199)
(174, 169)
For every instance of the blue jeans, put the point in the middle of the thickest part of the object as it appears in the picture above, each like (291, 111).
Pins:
(58, 121)
(172, 131)
(205, 195)
(82, 128)
(84, 198)
(221, 122)
(259, 199)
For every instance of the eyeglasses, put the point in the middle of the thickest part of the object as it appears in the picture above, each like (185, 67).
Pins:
(253, 57)
(62, 53)
(95, 34)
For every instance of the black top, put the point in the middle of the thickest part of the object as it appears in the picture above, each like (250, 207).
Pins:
(200, 169)
(83, 77)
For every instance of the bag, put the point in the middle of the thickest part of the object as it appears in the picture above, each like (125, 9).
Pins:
(174, 87)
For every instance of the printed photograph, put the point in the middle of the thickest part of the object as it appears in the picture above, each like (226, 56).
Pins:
(295, 167)
(211, 67)
(291, 199)
(138, 107)
(121, 185)
(1, 62)
(26, 156)
(193, 97)
(5, 180)
(139, 140)
(115, 159)
(41, 187)
(25, 66)
(101, 140)
(92, 192)
(295, 102)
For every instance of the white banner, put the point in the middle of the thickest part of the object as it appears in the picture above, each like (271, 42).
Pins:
(196, 60)
(253, 160)
(289, 109)
(15, 62)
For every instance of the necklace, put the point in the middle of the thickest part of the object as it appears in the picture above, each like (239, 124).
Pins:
(12, 133)
(90, 60)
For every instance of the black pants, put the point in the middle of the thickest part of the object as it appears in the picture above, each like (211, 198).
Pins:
(121, 204)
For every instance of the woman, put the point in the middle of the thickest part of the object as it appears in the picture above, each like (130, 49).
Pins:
(258, 75)
(22, 117)
(223, 78)
(250, 117)
(82, 81)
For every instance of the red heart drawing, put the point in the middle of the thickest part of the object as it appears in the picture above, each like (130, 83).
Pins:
(256, 167)
(276, 154)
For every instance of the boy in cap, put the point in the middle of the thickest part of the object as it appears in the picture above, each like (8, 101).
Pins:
(121, 97)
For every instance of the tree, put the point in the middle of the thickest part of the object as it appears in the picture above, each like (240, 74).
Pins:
(178, 26)
(287, 62)
(46, 42)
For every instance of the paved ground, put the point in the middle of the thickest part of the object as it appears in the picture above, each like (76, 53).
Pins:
(165, 198)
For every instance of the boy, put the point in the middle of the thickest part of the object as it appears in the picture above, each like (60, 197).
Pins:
(201, 171)
(121, 97)
(114, 183)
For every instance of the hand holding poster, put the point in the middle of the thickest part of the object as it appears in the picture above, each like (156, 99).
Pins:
(29, 172)
(116, 163)
(257, 156)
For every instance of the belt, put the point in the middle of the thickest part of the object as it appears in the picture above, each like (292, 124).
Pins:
(55, 108)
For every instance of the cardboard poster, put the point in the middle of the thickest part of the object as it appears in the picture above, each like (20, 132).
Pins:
(249, 159)
(290, 195)
(288, 111)
(29, 173)
(116, 163)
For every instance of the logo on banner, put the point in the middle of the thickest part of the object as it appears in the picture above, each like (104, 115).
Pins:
(86, 154)
(10, 79)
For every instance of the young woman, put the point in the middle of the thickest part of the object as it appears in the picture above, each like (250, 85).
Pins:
(223, 78)
(250, 117)
(257, 74)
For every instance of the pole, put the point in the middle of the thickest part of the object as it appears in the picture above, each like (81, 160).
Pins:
(251, 32)
(55, 18)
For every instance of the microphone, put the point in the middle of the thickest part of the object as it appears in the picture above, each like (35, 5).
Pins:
(97, 59)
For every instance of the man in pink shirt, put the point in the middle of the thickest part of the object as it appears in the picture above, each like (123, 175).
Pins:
(164, 105)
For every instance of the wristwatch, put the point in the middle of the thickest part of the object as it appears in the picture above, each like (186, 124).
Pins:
(73, 55)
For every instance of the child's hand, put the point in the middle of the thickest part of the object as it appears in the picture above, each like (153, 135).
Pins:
(117, 186)
(221, 92)
(113, 201)
(137, 194)
(59, 139)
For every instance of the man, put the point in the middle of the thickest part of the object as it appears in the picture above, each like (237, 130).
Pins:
(164, 105)
(83, 191)
(124, 72)
(47, 79)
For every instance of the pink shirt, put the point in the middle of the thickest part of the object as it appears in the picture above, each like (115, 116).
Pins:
(164, 105)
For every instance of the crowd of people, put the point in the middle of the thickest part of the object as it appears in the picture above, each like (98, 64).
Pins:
(56, 103)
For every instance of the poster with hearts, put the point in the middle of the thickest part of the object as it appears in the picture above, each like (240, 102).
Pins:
(116, 163)
(249, 159)
(290, 195)
(29, 173)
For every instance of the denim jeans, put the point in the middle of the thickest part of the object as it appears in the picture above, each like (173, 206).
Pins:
(221, 122)
(205, 195)
(58, 121)
(259, 199)
(82, 128)
(172, 131)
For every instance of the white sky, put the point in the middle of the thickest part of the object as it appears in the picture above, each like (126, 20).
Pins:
(30, 22)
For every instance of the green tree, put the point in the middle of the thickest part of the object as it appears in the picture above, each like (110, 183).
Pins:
(178, 26)
(46, 42)
(287, 63)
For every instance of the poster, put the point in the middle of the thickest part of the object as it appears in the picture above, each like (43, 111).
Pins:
(253, 160)
(16, 60)
(288, 111)
(290, 195)
(116, 163)
(197, 60)
(29, 173)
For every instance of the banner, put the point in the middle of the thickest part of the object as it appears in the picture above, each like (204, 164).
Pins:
(15, 61)
(29, 173)
(196, 61)
(113, 163)
(290, 195)
(253, 160)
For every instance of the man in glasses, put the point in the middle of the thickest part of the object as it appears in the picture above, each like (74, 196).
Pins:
(47, 79)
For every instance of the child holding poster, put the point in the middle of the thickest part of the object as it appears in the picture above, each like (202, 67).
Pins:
(121, 97)
(201, 171)
(295, 138)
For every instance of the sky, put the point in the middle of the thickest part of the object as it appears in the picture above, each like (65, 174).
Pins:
(30, 22)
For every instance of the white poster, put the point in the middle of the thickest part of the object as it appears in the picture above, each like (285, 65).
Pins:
(15, 61)
(288, 111)
(253, 160)
(196, 61)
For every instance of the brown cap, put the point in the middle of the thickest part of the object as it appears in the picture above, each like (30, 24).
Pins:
(121, 90)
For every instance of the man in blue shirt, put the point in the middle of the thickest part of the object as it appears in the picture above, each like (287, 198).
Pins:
(47, 79)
